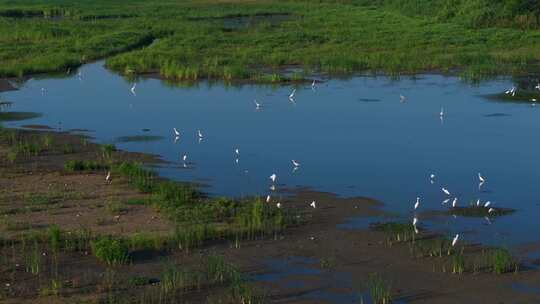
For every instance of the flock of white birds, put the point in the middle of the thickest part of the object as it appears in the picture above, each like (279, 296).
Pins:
(273, 178)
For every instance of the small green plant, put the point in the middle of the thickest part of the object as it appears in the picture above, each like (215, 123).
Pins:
(107, 151)
(110, 251)
(54, 237)
(379, 289)
(502, 261)
(458, 263)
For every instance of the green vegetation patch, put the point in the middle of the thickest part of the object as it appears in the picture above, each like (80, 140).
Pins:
(18, 116)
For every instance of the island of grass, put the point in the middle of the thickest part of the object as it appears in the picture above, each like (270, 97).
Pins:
(259, 40)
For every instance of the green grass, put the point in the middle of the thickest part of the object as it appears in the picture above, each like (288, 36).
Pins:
(255, 40)
(84, 165)
(111, 251)
(479, 211)
(379, 289)
(502, 261)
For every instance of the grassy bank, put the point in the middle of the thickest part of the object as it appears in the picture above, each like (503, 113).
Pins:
(256, 41)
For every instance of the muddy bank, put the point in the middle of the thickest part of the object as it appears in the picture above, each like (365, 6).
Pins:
(5, 85)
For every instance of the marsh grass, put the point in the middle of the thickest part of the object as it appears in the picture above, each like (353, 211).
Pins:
(479, 211)
(395, 232)
(84, 165)
(111, 251)
(379, 289)
(502, 261)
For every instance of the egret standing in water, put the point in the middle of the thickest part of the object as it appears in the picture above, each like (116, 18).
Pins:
(432, 178)
(402, 98)
(108, 177)
(257, 105)
(441, 114)
(176, 132)
(313, 84)
(199, 134)
(445, 191)
(454, 202)
(313, 204)
(133, 89)
(295, 163)
(291, 96)
(273, 178)
(417, 204)
(414, 221)
(268, 198)
(455, 240)
(481, 178)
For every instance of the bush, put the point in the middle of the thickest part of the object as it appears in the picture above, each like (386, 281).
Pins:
(110, 251)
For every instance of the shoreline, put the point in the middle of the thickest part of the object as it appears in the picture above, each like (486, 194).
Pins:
(319, 244)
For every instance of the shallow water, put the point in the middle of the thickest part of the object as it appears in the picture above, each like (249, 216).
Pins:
(352, 137)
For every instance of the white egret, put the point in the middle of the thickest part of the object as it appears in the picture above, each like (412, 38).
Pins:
(537, 86)
(491, 210)
(176, 132)
(414, 221)
(291, 96)
(313, 85)
(446, 201)
(487, 204)
(441, 114)
(236, 160)
(454, 202)
(481, 178)
(237, 151)
(278, 205)
(268, 198)
(478, 203)
(199, 134)
(273, 188)
(295, 163)
(108, 177)
(257, 105)
(455, 240)
(313, 204)
(273, 177)
(133, 88)
(184, 157)
(402, 98)
(417, 204)
(445, 191)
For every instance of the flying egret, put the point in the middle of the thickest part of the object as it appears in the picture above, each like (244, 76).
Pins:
(176, 132)
(454, 202)
(417, 203)
(481, 178)
(268, 198)
(257, 105)
(295, 163)
(445, 191)
(487, 204)
(273, 177)
(455, 240)
(313, 204)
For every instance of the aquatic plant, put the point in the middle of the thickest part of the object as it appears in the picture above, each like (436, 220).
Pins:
(502, 261)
